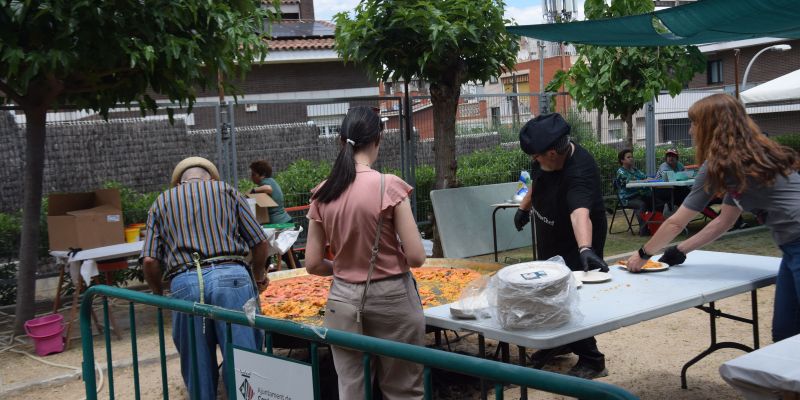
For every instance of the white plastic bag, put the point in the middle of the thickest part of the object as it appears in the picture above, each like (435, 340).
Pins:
(472, 303)
(250, 308)
(285, 239)
(536, 294)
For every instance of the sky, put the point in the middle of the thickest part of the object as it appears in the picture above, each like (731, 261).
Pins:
(524, 12)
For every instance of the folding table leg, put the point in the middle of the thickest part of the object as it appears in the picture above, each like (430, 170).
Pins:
(523, 361)
(57, 300)
(73, 311)
(482, 354)
(291, 263)
(713, 314)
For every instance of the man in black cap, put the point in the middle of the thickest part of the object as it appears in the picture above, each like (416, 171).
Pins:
(567, 202)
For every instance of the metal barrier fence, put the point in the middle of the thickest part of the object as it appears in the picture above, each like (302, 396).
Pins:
(493, 371)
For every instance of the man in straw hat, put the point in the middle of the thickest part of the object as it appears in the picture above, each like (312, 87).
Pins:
(567, 202)
(198, 233)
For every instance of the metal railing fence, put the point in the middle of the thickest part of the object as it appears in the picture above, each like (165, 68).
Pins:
(494, 371)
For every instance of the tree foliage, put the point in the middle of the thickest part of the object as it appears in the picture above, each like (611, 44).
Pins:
(444, 42)
(94, 54)
(622, 79)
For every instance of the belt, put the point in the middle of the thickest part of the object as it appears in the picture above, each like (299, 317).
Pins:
(208, 262)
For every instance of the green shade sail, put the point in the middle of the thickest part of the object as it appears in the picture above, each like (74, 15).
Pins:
(704, 21)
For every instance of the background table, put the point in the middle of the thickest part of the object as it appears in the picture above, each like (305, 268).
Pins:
(631, 298)
(502, 206)
(653, 185)
(82, 267)
(767, 373)
(659, 184)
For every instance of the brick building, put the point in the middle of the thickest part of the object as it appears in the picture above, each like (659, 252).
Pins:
(301, 64)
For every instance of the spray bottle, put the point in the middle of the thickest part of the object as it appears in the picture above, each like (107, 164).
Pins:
(522, 187)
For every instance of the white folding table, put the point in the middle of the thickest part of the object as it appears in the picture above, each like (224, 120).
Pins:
(653, 185)
(630, 298)
(82, 267)
(771, 372)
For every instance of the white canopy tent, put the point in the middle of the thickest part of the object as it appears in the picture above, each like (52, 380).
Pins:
(786, 87)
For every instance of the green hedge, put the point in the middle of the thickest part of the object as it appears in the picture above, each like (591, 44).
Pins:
(791, 140)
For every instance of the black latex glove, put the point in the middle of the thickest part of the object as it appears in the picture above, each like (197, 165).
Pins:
(673, 256)
(521, 218)
(590, 260)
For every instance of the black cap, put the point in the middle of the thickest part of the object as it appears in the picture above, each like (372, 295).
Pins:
(541, 133)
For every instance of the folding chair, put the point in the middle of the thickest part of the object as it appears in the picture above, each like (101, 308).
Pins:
(619, 205)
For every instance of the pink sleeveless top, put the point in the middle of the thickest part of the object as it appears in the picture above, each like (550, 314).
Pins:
(350, 224)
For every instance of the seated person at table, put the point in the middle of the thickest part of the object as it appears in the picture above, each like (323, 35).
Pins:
(670, 163)
(678, 193)
(639, 198)
(261, 174)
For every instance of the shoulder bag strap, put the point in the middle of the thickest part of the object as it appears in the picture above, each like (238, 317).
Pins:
(374, 255)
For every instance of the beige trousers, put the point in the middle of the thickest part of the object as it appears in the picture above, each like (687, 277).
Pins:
(393, 311)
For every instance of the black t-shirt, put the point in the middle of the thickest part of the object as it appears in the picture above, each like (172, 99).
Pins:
(556, 195)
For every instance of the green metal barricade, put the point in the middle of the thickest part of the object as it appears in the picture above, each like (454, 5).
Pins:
(497, 372)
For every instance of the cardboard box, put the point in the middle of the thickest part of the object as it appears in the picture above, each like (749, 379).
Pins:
(263, 201)
(85, 220)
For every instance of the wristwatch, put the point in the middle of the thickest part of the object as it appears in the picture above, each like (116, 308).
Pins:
(643, 254)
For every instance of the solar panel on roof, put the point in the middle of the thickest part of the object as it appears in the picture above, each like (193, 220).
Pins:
(302, 29)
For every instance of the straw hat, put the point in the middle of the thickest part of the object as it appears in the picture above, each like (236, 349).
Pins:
(191, 162)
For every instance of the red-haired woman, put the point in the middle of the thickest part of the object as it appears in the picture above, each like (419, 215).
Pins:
(751, 173)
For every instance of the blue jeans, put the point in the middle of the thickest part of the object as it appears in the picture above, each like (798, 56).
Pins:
(786, 317)
(228, 286)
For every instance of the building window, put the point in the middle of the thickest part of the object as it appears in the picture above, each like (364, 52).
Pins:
(714, 71)
(328, 130)
(493, 79)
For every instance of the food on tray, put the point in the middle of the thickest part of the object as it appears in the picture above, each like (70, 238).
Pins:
(301, 298)
(650, 264)
(439, 286)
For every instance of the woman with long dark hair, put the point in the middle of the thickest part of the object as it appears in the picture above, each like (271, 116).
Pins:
(751, 173)
(371, 275)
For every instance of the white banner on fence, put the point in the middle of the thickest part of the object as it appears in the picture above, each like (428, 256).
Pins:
(263, 377)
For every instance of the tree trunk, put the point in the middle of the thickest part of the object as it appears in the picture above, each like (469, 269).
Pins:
(444, 96)
(445, 106)
(629, 128)
(32, 202)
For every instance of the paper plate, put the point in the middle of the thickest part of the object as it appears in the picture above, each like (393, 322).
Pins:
(533, 273)
(593, 276)
(662, 267)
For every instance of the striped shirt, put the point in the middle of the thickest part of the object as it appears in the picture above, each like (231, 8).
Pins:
(207, 217)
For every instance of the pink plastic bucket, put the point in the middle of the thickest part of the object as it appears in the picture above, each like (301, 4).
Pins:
(46, 333)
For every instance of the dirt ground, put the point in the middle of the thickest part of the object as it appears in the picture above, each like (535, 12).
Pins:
(645, 359)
